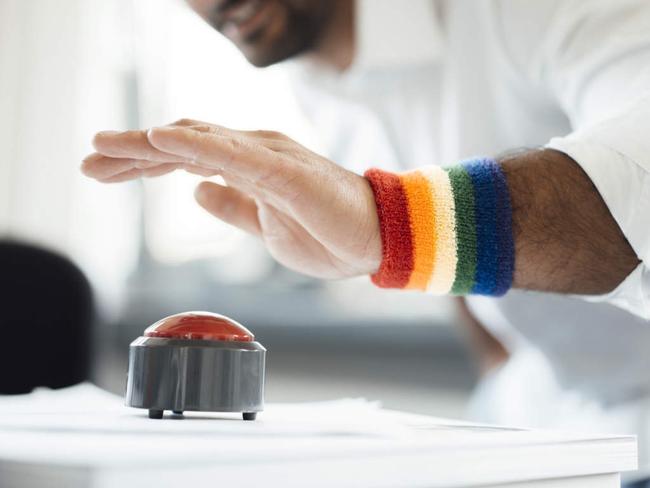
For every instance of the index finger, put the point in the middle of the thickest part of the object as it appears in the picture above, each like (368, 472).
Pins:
(131, 144)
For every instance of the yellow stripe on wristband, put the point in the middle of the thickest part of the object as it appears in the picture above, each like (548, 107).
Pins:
(444, 272)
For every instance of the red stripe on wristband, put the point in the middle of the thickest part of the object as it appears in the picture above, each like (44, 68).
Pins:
(397, 243)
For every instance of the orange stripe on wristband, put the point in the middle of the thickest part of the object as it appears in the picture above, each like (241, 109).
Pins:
(421, 215)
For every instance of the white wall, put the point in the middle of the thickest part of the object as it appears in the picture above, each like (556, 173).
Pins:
(63, 66)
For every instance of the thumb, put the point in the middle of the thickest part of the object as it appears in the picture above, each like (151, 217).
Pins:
(229, 205)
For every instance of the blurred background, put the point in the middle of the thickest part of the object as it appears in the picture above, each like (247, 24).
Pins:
(69, 68)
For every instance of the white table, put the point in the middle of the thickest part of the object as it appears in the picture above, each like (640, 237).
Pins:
(84, 437)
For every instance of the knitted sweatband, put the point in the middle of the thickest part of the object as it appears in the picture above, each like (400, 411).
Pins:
(445, 230)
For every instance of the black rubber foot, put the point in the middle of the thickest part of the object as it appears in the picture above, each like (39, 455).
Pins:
(249, 415)
(177, 412)
(155, 414)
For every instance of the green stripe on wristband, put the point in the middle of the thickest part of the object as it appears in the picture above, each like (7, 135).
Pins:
(463, 190)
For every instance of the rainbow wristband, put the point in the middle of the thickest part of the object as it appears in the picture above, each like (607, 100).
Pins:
(445, 230)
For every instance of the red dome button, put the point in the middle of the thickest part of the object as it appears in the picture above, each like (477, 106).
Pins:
(199, 325)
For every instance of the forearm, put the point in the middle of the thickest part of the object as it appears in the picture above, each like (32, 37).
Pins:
(566, 239)
(532, 221)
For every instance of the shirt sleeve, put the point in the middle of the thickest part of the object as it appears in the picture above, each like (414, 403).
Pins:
(610, 154)
(594, 59)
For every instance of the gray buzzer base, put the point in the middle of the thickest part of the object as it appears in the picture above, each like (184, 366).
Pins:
(195, 375)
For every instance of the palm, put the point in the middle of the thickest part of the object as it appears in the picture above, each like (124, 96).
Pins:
(293, 246)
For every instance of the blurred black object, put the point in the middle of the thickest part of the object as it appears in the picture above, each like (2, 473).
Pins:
(45, 320)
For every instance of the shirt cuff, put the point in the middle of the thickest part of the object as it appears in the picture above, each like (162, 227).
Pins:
(633, 294)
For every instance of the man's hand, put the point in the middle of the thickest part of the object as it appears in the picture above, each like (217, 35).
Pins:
(314, 216)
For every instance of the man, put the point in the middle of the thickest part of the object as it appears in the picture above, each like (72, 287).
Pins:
(437, 82)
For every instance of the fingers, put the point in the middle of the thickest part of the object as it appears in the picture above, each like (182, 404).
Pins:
(132, 144)
(103, 168)
(131, 174)
(160, 170)
(229, 205)
(238, 156)
(264, 136)
(200, 170)
(275, 141)
(201, 148)
(136, 173)
(100, 167)
(188, 123)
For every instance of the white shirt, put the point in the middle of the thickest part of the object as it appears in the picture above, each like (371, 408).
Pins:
(436, 81)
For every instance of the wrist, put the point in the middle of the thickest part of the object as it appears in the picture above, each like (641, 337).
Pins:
(371, 255)
(445, 230)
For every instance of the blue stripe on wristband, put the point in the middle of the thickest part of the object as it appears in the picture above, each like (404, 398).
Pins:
(487, 240)
(506, 259)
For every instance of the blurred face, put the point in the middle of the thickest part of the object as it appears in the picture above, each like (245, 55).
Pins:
(267, 31)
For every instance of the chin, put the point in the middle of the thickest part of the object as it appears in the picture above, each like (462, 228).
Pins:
(263, 58)
(261, 61)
